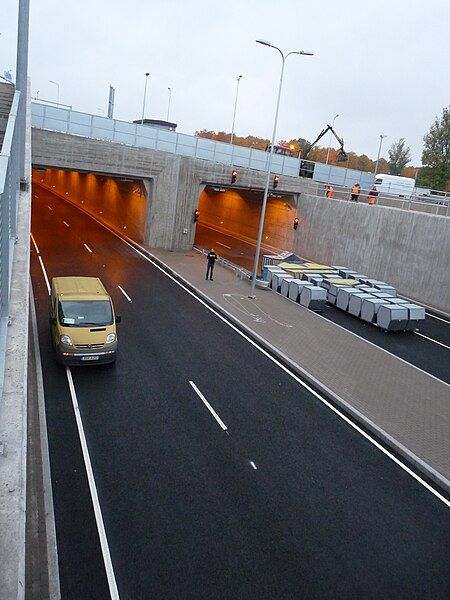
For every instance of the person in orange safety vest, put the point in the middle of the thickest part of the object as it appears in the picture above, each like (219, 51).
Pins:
(329, 191)
(355, 192)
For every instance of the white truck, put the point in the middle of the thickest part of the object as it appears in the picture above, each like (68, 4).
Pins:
(394, 185)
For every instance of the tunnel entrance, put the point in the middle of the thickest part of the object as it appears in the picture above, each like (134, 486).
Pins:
(229, 221)
(119, 202)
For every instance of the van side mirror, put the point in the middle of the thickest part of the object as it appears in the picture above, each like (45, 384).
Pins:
(52, 320)
(118, 318)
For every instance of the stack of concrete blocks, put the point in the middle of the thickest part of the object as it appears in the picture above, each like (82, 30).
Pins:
(313, 284)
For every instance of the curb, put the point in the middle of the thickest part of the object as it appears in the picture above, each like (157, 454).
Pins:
(50, 528)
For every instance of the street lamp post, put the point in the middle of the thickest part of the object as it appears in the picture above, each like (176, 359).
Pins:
(145, 95)
(57, 91)
(235, 106)
(329, 141)
(168, 104)
(379, 152)
(269, 162)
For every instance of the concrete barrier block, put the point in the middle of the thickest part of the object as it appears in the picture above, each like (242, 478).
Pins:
(398, 301)
(295, 288)
(277, 280)
(270, 270)
(313, 297)
(343, 297)
(392, 317)
(416, 316)
(369, 309)
(383, 295)
(355, 303)
(388, 289)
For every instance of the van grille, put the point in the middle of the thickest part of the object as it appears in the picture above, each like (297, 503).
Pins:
(89, 346)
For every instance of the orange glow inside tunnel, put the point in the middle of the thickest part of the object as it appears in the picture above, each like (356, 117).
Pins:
(118, 202)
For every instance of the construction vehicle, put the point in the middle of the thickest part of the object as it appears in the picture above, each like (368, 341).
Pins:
(306, 166)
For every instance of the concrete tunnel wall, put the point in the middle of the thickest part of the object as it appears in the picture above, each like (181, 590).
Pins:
(120, 204)
(408, 249)
(237, 212)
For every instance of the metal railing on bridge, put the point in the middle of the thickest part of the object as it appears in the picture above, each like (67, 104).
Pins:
(65, 120)
(9, 192)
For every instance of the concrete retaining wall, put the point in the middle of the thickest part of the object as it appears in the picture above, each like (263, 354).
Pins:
(408, 249)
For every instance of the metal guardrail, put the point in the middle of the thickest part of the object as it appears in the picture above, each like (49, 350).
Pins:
(9, 191)
(414, 203)
(238, 270)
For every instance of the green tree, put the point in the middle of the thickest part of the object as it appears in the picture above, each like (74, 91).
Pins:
(399, 156)
(436, 154)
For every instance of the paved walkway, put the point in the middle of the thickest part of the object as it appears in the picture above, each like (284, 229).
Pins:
(406, 407)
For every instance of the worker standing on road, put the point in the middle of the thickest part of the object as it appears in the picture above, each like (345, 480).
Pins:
(355, 192)
(211, 258)
(329, 191)
(372, 195)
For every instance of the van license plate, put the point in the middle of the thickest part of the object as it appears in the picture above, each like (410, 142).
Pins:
(89, 358)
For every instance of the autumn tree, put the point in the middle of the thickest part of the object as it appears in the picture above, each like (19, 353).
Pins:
(436, 154)
(364, 163)
(399, 156)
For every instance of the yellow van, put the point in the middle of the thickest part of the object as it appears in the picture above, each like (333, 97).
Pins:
(82, 321)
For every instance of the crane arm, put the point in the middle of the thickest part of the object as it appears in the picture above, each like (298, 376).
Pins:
(341, 153)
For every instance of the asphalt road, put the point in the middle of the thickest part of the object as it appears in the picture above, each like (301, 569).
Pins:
(288, 501)
(427, 353)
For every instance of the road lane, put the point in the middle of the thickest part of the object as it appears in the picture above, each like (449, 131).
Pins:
(428, 356)
(323, 514)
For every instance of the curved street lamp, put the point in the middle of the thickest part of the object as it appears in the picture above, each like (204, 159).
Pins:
(269, 163)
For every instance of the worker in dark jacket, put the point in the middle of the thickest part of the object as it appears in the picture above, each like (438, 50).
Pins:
(211, 258)
(373, 193)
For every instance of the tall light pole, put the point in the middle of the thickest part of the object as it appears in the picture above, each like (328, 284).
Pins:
(235, 106)
(168, 104)
(145, 95)
(379, 152)
(329, 141)
(22, 80)
(269, 162)
(57, 91)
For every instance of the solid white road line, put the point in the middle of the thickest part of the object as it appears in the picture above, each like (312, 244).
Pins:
(438, 318)
(291, 374)
(253, 465)
(34, 242)
(45, 274)
(66, 224)
(208, 406)
(224, 245)
(431, 340)
(93, 489)
(87, 248)
(125, 294)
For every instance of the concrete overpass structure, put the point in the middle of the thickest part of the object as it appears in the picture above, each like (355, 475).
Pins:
(377, 240)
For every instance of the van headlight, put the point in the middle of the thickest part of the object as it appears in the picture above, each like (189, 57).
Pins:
(65, 339)
(110, 338)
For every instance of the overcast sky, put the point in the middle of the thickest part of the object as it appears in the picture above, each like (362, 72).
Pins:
(383, 65)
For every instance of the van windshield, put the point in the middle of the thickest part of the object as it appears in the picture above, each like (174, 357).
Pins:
(85, 313)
